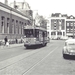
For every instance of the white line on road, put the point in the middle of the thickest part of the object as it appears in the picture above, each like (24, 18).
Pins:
(39, 62)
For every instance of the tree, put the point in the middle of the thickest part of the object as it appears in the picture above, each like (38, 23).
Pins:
(40, 21)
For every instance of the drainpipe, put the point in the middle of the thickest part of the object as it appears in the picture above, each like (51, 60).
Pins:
(73, 29)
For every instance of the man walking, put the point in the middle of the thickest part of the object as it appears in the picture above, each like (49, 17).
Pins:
(6, 40)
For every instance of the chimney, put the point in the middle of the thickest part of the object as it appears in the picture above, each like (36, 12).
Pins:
(6, 2)
(23, 5)
(15, 6)
(14, 3)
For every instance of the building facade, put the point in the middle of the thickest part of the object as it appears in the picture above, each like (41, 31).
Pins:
(48, 27)
(62, 26)
(70, 26)
(12, 22)
(23, 7)
(58, 26)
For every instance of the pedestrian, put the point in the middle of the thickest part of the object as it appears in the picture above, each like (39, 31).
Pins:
(16, 40)
(21, 39)
(6, 41)
(48, 39)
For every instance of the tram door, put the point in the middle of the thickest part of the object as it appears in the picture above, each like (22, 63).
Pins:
(43, 37)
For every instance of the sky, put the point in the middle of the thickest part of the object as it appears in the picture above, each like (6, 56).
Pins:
(47, 7)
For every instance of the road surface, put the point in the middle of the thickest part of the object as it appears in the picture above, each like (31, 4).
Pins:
(42, 61)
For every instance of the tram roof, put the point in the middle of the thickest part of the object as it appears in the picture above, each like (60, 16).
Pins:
(35, 27)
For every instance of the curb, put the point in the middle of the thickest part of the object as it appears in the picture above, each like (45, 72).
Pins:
(11, 46)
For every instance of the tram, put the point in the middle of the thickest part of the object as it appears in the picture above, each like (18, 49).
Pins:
(35, 36)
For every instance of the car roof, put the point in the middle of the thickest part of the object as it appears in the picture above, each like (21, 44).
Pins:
(70, 40)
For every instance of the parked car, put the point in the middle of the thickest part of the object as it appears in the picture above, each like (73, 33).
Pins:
(69, 48)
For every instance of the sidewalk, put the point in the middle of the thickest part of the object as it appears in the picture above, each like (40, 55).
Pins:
(12, 46)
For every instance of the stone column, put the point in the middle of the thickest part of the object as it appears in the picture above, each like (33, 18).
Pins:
(62, 34)
(56, 34)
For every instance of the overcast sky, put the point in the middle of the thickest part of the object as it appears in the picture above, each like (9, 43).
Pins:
(46, 7)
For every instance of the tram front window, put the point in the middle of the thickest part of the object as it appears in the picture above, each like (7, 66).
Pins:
(28, 32)
(31, 33)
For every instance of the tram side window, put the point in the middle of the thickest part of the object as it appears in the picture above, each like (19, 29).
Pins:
(36, 33)
(45, 34)
(31, 33)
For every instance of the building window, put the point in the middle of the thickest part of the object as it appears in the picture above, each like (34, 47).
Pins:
(59, 33)
(8, 22)
(2, 18)
(63, 24)
(67, 29)
(25, 24)
(13, 26)
(19, 27)
(16, 26)
(55, 21)
(71, 24)
(71, 27)
(63, 33)
(22, 28)
(2, 27)
(67, 24)
(28, 22)
(2, 24)
(53, 33)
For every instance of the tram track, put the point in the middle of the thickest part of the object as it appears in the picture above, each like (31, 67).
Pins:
(26, 65)
(33, 66)
(12, 63)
